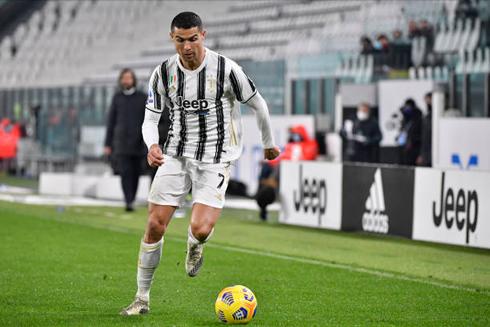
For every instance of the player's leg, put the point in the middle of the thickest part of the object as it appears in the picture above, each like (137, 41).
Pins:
(151, 247)
(149, 256)
(203, 219)
(167, 193)
(209, 183)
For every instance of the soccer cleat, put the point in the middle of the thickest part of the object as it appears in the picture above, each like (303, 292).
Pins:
(138, 307)
(194, 259)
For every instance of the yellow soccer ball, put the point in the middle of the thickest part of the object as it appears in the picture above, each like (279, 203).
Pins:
(236, 305)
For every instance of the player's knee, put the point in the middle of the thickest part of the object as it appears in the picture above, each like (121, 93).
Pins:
(201, 233)
(156, 227)
(154, 231)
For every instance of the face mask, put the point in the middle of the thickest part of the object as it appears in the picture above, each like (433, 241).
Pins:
(377, 45)
(294, 137)
(362, 115)
(407, 111)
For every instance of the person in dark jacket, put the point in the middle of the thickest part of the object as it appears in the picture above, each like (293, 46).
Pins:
(425, 158)
(124, 140)
(361, 135)
(410, 137)
(367, 46)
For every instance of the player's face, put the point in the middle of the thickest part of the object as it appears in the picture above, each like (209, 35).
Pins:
(188, 44)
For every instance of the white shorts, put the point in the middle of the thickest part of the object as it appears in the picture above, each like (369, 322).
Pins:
(177, 175)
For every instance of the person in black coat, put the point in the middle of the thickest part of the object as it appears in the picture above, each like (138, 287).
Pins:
(361, 136)
(410, 137)
(425, 158)
(124, 140)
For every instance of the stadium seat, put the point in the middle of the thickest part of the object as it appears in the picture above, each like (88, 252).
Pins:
(478, 66)
(455, 39)
(474, 36)
(100, 36)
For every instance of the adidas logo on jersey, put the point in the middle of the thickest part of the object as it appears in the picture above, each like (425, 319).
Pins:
(375, 218)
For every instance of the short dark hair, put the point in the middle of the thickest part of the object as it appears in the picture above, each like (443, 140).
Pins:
(410, 102)
(186, 20)
(124, 71)
(366, 39)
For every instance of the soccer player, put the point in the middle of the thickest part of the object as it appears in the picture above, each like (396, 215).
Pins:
(203, 91)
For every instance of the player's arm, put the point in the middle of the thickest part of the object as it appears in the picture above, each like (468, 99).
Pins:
(261, 112)
(153, 111)
(246, 92)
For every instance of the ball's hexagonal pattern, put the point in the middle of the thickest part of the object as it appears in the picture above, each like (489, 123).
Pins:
(236, 304)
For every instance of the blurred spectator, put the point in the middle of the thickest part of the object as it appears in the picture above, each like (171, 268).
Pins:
(382, 43)
(361, 135)
(413, 30)
(397, 37)
(367, 46)
(300, 147)
(124, 139)
(410, 137)
(425, 158)
(466, 9)
(33, 122)
(426, 30)
(9, 138)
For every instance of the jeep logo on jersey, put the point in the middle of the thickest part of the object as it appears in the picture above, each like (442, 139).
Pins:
(312, 194)
(375, 218)
(457, 208)
(199, 105)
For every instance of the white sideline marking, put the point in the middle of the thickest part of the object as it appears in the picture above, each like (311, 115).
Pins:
(286, 257)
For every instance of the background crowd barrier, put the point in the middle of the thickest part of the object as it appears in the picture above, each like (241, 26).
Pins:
(426, 204)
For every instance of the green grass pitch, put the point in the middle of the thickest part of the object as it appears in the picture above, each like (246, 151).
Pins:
(78, 267)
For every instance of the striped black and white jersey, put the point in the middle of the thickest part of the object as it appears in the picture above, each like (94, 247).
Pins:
(204, 108)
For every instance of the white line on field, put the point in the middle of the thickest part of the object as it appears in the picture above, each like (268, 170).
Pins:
(289, 258)
(339, 266)
(350, 268)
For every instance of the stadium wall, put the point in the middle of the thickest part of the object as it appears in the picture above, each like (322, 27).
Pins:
(426, 204)
(463, 143)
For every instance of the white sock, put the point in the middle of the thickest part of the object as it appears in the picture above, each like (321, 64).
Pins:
(148, 260)
(193, 240)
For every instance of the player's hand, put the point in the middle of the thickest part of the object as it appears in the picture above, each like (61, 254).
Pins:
(155, 156)
(271, 154)
(107, 150)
